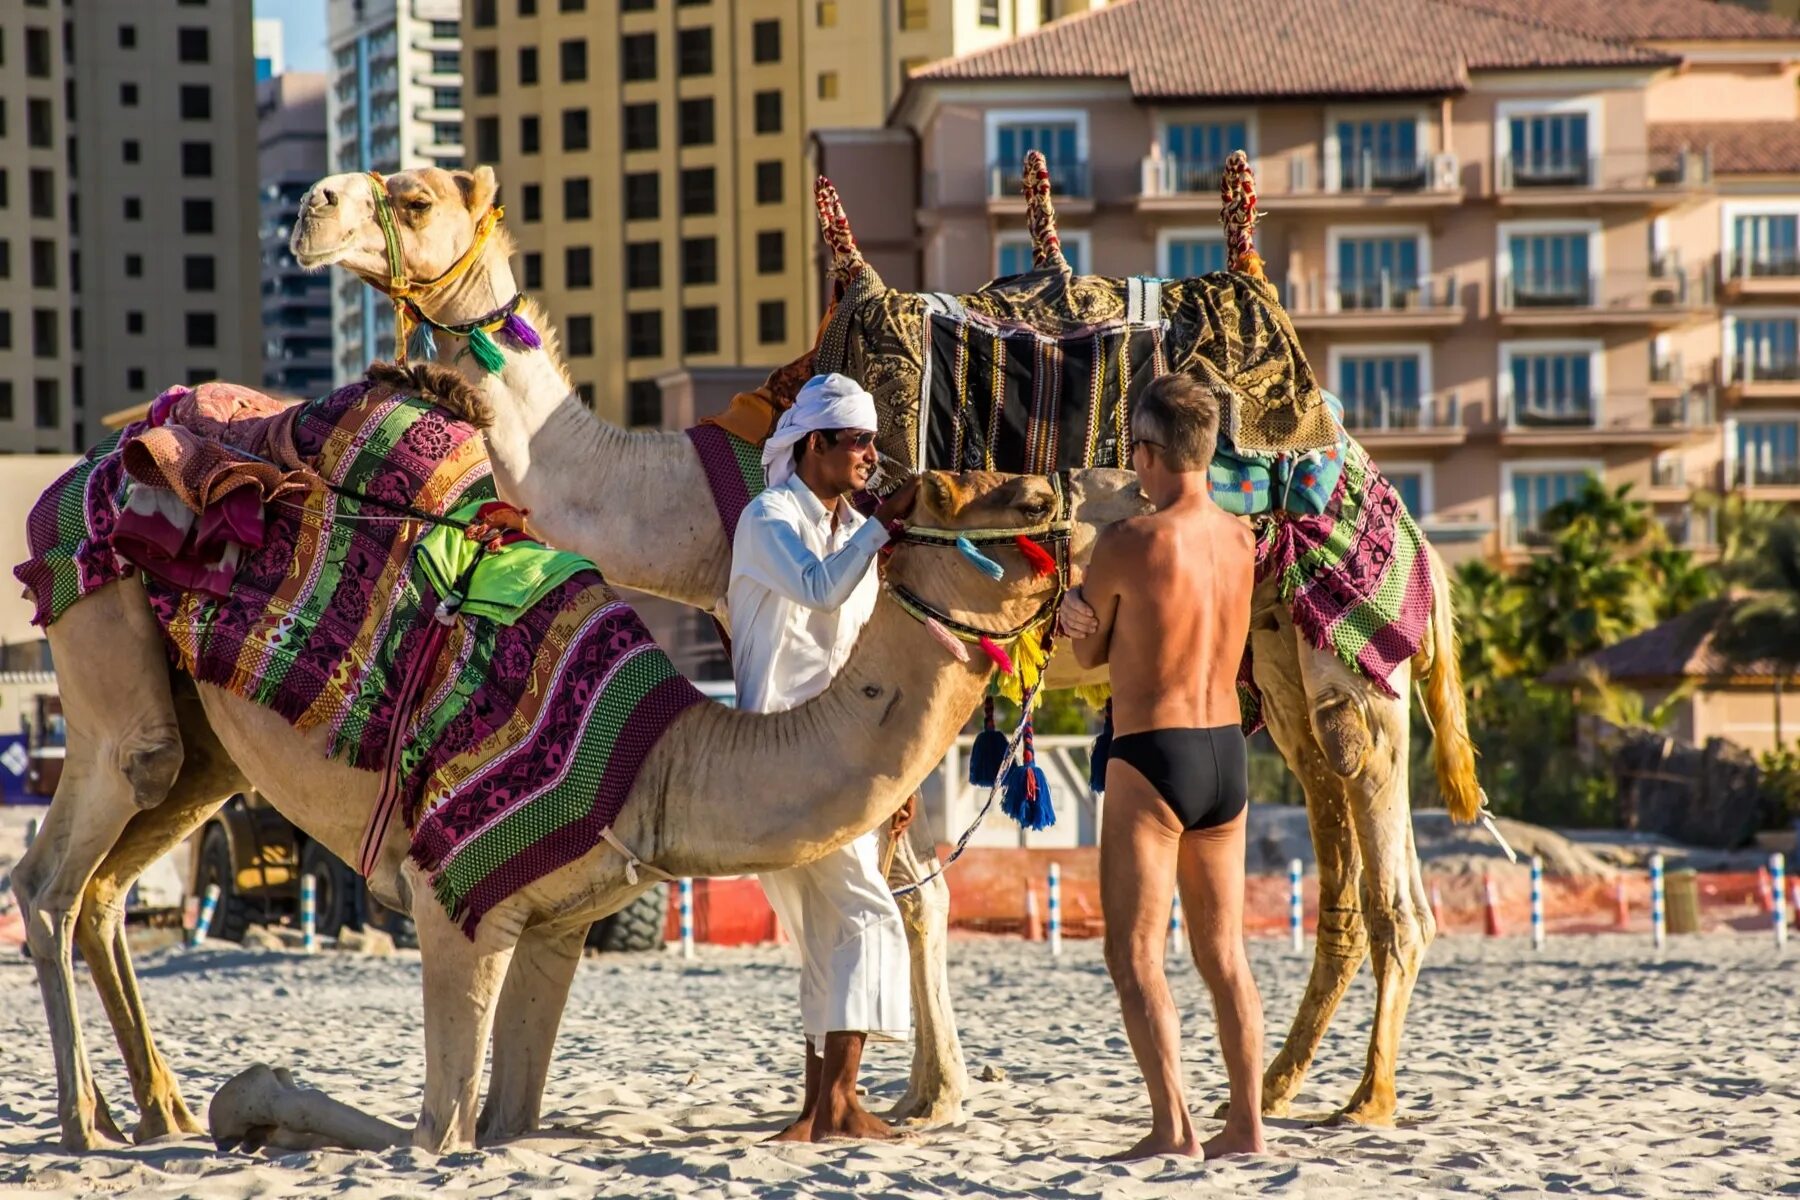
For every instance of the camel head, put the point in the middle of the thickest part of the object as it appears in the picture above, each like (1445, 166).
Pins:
(436, 214)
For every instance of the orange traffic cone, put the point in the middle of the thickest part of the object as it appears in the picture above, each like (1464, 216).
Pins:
(1765, 891)
(1034, 928)
(1621, 907)
(1437, 908)
(1491, 904)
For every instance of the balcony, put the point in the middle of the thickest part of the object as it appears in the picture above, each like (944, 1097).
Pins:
(1306, 181)
(1768, 271)
(1668, 479)
(1768, 477)
(1387, 422)
(1070, 183)
(1747, 378)
(1373, 304)
(1663, 298)
(1696, 532)
(1586, 419)
(1658, 179)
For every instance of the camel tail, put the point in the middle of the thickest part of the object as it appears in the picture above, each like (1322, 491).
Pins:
(1453, 751)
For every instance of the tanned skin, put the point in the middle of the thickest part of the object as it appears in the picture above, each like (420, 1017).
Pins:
(1166, 604)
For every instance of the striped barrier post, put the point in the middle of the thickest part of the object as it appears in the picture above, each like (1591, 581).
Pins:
(1055, 909)
(1175, 920)
(686, 910)
(1778, 873)
(309, 913)
(209, 904)
(1537, 903)
(1296, 934)
(1659, 927)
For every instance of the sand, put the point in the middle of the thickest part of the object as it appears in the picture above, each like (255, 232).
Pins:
(1593, 1067)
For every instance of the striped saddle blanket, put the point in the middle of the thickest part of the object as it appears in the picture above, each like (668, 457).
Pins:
(507, 748)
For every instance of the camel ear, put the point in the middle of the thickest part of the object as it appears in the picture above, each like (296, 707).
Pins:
(478, 187)
(942, 494)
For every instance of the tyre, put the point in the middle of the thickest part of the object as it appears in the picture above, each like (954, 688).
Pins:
(637, 926)
(335, 903)
(232, 916)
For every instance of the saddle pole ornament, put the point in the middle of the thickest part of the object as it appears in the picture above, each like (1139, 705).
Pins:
(1040, 216)
(847, 261)
(1239, 215)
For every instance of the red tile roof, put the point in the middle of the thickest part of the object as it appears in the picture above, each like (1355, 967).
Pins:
(1168, 49)
(1680, 648)
(1738, 147)
(1646, 20)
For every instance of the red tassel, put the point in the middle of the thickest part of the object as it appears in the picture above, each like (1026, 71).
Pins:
(1038, 558)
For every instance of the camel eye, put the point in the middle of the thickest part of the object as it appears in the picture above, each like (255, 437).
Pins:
(419, 206)
(872, 691)
(1036, 510)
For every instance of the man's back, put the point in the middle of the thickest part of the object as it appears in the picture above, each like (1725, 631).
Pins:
(1183, 617)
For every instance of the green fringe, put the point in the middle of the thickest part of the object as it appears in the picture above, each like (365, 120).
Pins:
(485, 351)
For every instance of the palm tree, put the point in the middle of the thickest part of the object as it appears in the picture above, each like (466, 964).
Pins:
(1625, 708)
(1764, 624)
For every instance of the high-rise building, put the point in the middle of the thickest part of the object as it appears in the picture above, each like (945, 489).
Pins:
(296, 303)
(267, 44)
(653, 158)
(395, 104)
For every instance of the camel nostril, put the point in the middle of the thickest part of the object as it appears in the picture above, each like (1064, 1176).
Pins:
(325, 198)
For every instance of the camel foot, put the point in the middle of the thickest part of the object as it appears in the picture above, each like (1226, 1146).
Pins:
(1367, 1112)
(1272, 1106)
(88, 1137)
(1154, 1144)
(942, 1107)
(164, 1120)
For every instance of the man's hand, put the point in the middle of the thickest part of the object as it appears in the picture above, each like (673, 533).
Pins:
(899, 504)
(903, 816)
(1074, 617)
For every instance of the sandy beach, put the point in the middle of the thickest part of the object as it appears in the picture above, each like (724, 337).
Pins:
(1590, 1068)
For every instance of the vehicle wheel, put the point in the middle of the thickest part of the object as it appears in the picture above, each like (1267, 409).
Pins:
(333, 880)
(637, 926)
(232, 917)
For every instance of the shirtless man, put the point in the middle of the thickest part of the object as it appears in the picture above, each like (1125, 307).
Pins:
(1166, 602)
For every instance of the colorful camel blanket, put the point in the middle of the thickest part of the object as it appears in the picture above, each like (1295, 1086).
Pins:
(507, 748)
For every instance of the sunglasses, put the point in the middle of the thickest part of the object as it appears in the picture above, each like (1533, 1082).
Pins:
(860, 439)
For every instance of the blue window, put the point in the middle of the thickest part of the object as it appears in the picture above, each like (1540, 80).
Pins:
(1550, 270)
(1380, 153)
(1766, 245)
(1411, 486)
(1766, 348)
(1536, 492)
(1549, 150)
(1380, 391)
(1015, 257)
(1195, 256)
(1768, 452)
(1552, 389)
(1377, 272)
(1197, 151)
(1057, 141)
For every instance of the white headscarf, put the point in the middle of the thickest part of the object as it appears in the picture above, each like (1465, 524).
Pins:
(825, 402)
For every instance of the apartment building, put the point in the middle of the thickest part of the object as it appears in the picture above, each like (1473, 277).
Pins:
(395, 104)
(296, 303)
(1522, 240)
(653, 159)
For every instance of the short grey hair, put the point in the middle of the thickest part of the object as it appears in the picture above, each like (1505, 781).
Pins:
(1180, 416)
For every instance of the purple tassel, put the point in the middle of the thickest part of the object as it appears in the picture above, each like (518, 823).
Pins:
(521, 332)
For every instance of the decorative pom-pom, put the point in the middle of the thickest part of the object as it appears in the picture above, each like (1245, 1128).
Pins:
(1000, 658)
(980, 561)
(1040, 560)
(947, 640)
(422, 344)
(485, 351)
(520, 331)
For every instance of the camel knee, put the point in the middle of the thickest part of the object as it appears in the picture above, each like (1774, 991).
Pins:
(1398, 933)
(1343, 732)
(150, 761)
(1342, 934)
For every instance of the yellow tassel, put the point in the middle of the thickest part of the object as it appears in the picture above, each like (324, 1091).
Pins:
(1094, 695)
(1029, 655)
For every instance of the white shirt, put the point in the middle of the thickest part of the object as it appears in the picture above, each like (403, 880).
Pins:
(800, 592)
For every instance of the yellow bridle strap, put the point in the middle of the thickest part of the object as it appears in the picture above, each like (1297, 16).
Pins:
(401, 289)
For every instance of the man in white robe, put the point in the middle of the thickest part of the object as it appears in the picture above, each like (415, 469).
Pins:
(802, 587)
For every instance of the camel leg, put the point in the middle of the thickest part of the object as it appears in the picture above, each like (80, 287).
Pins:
(463, 978)
(525, 1024)
(939, 1080)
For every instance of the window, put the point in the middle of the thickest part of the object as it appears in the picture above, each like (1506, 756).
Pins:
(530, 134)
(1547, 150)
(637, 57)
(192, 45)
(44, 340)
(637, 5)
(771, 322)
(1410, 483)
(1768, 451)
(531, 202)
(643, 265)
(1380, 152)
(6, 400)
(130, 150)
(1376, 272)
(768, 182)
(640, 126)
(575, 129)
(697, 122)
(694, 51)
(1189, 256)
(1195, 152)
(1015, 254)
(700, 330)
(5, 259)
(987, 13)
(771, 252)
(577, 200)
(528, 66)
(1549, 387)
(699, 260)
(128, 95)
(1765, 348)
(198, 375)
(134, 322)
(196, 102)
(643, 196)
(47, 402)
(42, 185)
(1548, 270)
(1765, 244)
(571, 6)
(698, 193)
(828, 85)
(134, 208)
(6, 336)
(487, 139)
(528, 8)
(643, 335)
(127, 37)
(43, 263)
(1381, 391)
(1536, 492)
(578, 267)
(578, 336)
(915, 14)
(573, 56)
(532, 268)
(768, 112)
(765, 42)
(1060, 143)
(202, 329)
(643, 403)
(446, 62)
(196, 216)
(825, 14)
(196, 160)
(38, 123)
(37, 53)
(134, 266)
(484, 71)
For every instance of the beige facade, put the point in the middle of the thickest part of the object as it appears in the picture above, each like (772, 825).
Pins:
(653, 160)
(1508, 286)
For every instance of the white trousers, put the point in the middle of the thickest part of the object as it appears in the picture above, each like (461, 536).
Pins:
(854, 973)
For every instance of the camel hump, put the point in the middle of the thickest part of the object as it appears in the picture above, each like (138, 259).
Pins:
(436, 384)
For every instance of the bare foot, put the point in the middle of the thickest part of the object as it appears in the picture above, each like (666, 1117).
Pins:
(851, 1121)
(800, 1131)
(1234, 1141)
(1154, 1144)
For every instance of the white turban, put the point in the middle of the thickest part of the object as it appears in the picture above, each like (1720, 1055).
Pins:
(825, 402)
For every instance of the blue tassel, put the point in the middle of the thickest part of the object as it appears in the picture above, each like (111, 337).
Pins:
(988, 752)
(1027, 798)
(1098, 756)
(981, 562)
(422, 345)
